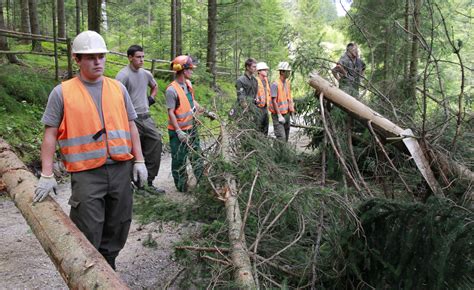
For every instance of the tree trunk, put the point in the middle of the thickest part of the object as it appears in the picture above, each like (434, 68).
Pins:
(103, 13)
(239, 254)
(3, 40)
(382, 125)
(34, 24)
(24, 18)
(406, 45)
(79, 263)
(93, 15)
(61, 20)
(212, 39)
(78, 16)
(176, 31)
(9, 24)
(413, 73)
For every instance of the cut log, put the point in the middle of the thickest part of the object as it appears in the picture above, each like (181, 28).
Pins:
(79, 263)
(383, 126)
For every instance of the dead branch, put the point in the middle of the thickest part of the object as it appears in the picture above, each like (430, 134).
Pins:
(369, 124)
(279, 214)
(247, 208)
(334, 147)
(300, 234)
(456, 50)
(316, 248)
(171, 281)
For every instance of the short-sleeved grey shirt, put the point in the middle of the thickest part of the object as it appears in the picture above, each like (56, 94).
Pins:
(274, 89)
(137, 83)
(172, 95)
(53, 114)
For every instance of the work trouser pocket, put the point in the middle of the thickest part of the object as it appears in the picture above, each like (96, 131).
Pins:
(73, 203)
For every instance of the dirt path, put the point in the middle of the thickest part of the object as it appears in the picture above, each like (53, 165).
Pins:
(25, 265)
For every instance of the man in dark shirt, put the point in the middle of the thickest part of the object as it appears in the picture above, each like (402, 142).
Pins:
(246, 85)
(349, 69)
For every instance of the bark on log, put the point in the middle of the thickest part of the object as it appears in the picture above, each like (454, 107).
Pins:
(382, 125)
(79, 263)
(239, 254)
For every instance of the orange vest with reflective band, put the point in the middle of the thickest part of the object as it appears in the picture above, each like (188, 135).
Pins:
(183, 112)
(263, 94)
(284, 98)
(84, 142)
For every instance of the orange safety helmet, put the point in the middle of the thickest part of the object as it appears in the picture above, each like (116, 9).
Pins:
(182, 62)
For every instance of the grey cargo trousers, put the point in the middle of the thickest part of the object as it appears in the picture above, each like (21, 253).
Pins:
(152, 146)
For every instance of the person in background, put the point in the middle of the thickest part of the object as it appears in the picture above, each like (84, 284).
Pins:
(137, 80)
(246, 86)
(91, 117)
(282, 105)
(182, 127)
(263, 98)
(349, 69)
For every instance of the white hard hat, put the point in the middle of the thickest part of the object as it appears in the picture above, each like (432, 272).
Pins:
(262, 65)
(89, 42)
(284, 66)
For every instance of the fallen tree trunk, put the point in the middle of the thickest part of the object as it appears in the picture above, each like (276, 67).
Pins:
(79, 263)
(238, 250)
(383, 126)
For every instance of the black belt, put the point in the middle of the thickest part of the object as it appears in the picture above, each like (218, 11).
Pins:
(143, 116)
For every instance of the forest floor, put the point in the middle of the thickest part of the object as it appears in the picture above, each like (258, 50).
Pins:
(25, 265)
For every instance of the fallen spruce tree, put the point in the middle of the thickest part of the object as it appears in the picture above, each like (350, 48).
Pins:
(300, 234)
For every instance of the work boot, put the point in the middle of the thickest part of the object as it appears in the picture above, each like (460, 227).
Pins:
(111, 262)
(151, 189)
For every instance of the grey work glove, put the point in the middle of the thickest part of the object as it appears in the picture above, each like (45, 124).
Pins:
(211, 115)
(151, 100)
(140, 173)
(281, 119)
(182, 136)
(45, 185)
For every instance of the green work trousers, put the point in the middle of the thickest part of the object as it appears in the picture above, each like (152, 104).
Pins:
(180, 152)
(152, 146)
(101, 206)
(282, 131)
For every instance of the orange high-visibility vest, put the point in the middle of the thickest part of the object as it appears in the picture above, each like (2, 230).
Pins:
(263, 94)
(284, 99)
(184, 112)
(84, 142)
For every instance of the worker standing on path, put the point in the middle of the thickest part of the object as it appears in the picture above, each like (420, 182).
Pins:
(91, 117)
(263, 98)
(349, 69)
(137, 80)
(282, 105)
(182, 127)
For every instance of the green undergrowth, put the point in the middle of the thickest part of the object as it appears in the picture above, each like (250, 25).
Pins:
(406, 245)
(156, 208)
(23, 94)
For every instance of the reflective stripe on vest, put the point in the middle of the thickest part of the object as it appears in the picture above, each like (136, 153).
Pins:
(263, 94)
(83, 142)
(184, 112)
(284, 98)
